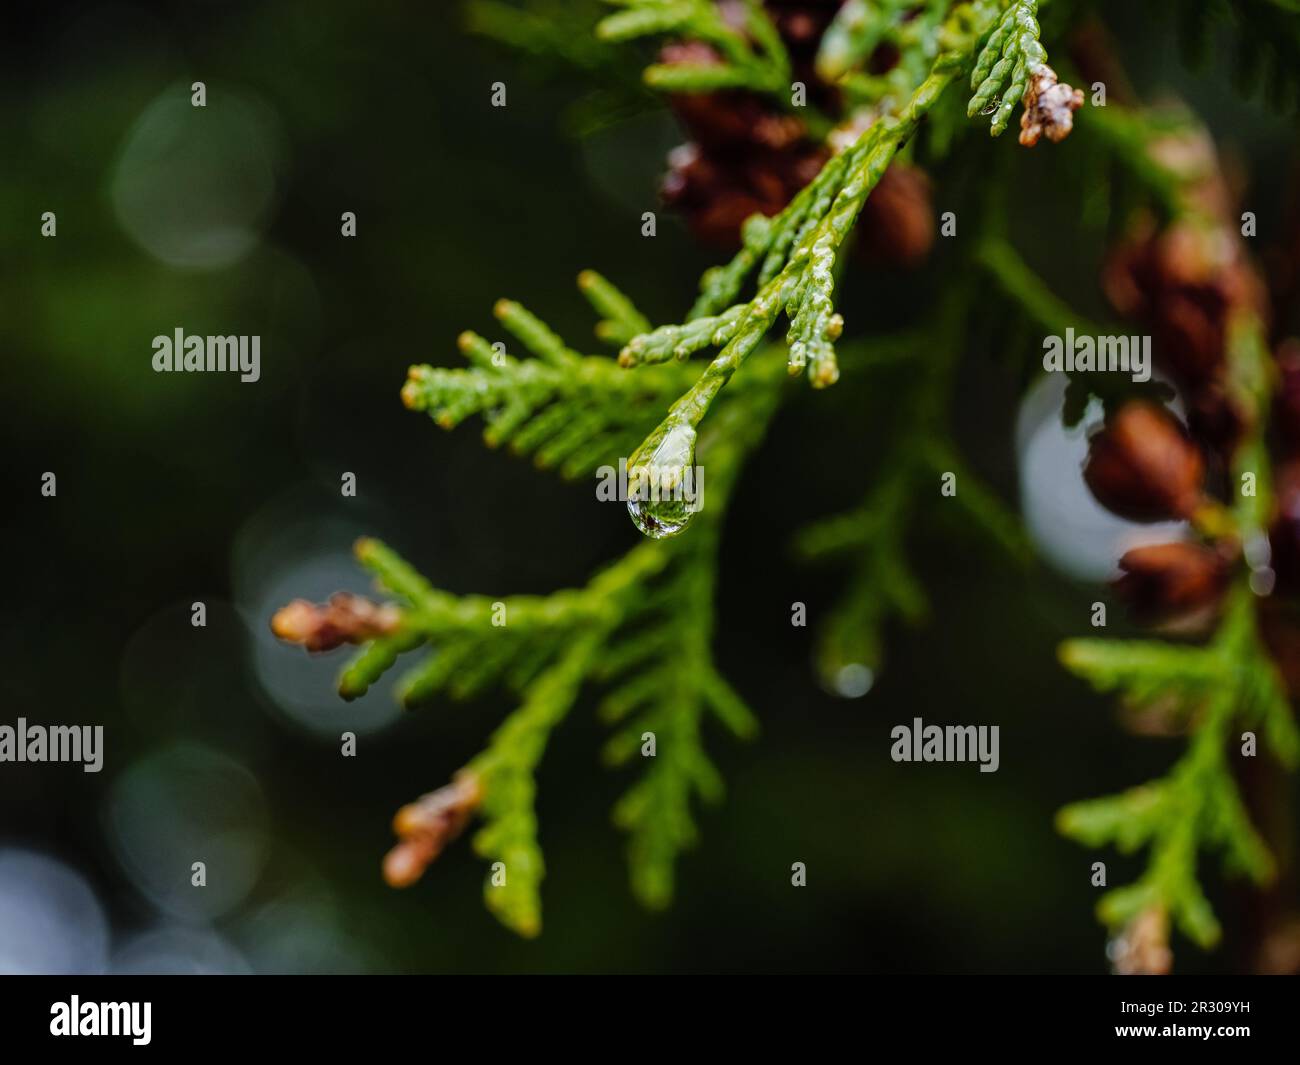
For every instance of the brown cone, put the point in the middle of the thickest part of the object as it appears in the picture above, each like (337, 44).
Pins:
(1165, 580)
(346, 618)
(427, 825)
(1183, 284)
(1288, 393)
(1142, 466)
(897, 223)
(1284, 535)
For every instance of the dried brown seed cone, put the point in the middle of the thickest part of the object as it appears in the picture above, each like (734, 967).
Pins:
(1279, 951)
(426, 826)
(897, 223)
(730, 120)
(745, 156)
(1183, 284)
(1279, 625)
(735, 121)
(1217, 418)
(801, 23)
(1142, 466)
(1166, 580)
(717, 193)
(407, 861)
(344, 619)
(1142, 949)
(1287, 401)
(1284, 535)
(1049, 108)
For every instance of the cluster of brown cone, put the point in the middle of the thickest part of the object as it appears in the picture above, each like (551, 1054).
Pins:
(746, 155)
(1185, 283)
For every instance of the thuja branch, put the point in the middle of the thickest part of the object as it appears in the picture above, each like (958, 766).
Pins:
(752, 53)
(1142, 464)
(859, 28)
(795, 253)
(1231, 680)
(641, 628)
(1196, 805)
(1013, 66)
(871, 538)
(801, 282)
(569, 411)
(1040, 306)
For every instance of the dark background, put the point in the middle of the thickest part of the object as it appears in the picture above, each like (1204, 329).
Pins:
(176, 488)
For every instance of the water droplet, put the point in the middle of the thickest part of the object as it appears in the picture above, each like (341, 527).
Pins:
(853, 681)
(664, 489)
(1257, 551)
(992, 106)
(1262, 581)
(659, 518)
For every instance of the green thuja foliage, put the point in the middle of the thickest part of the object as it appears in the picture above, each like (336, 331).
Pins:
(794, 255)
(1231, 681)
(557, 39)
(869, 539)
(860, 28)
(556, 405)
(1031, 300)
(1218, 689)
(1261, 36)
(751, 55)
(639, 632)
(1010, 55)
(640, 629)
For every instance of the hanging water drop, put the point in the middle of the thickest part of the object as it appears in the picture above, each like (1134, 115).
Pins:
(992, 106)
(664, 488)
(854, 680)
(848, 656)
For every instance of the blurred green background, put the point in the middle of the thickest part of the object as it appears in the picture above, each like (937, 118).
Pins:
(223, 747)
